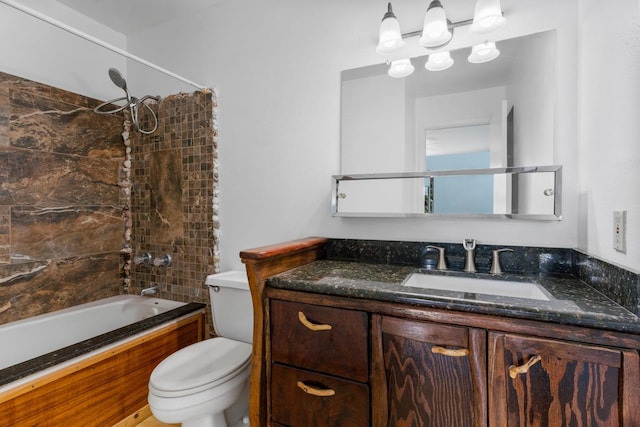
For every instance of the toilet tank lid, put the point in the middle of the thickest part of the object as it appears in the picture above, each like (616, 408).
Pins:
(230, 279)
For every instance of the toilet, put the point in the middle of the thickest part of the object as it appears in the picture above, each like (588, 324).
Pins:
(207, 384)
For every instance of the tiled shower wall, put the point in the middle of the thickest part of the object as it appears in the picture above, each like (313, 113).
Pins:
(173, 197)
(63, 212)
(61, 225)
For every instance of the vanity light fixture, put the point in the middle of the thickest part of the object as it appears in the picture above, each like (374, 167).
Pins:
(390, 35)
(487, 17)
(437, 32)
(439, 61)
(400, 68)
(483, 52)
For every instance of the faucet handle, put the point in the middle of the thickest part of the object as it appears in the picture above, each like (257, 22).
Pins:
(495, 262)
(143, 258)
(163, 260)
(442, 262)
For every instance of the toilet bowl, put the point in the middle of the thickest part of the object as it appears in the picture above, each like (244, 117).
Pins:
(206, 384)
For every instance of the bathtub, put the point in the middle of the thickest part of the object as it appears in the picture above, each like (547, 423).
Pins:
(100, 353)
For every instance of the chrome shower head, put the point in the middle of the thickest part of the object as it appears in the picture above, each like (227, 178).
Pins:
(117, 79)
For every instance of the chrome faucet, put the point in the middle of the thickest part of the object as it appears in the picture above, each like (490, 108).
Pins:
(442, 262)
(163, 260)
(495, 262)
(149, 291)
(143, 258)
(469, 261)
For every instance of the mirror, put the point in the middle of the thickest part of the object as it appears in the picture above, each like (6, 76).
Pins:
(519, 193)
(498, 114)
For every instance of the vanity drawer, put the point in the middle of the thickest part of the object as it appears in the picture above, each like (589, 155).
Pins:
(330, 340)
(301, 398)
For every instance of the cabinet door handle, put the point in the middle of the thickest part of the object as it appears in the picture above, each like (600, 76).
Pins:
(459, 352)
(514, 371)
(312, 326)
(320, 392)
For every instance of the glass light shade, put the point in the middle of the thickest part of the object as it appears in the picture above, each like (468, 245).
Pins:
(439, 61)
(487, 16)
(484, 52)
(435, 31)
(390, 36)
(400, 68)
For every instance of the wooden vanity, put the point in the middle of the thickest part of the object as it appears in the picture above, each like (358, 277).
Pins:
(328, 360)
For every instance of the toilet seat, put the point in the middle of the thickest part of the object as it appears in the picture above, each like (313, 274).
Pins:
(198, 367)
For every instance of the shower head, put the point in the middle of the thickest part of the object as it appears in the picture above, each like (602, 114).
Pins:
(117, 79)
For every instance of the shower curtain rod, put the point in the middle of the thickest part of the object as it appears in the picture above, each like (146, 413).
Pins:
(95, 40)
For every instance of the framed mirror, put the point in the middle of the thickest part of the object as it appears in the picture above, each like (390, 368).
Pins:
(533, 193)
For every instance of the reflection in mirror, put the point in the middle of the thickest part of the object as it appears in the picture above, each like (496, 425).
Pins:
(386, 122)
(520, 193)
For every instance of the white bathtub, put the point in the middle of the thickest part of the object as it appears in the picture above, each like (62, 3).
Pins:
(25, 339)
(89, 356)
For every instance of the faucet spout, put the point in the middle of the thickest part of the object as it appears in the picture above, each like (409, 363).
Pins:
(149, 291)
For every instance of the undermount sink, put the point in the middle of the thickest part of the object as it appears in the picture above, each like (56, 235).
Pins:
(503, 288)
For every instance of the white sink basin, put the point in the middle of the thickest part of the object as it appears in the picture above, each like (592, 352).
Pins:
(478, 286)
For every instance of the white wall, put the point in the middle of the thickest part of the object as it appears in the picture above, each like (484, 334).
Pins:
(609, 151)
(36, 50)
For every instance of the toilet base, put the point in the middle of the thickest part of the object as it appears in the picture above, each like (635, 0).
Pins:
(210, 408)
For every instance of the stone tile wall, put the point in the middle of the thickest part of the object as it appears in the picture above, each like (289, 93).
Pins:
(61, 224)
(173, 197)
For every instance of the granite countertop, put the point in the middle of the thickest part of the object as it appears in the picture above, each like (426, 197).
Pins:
(572, 302)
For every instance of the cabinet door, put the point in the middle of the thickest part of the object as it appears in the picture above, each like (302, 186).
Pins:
(541, 382)
(426, 374)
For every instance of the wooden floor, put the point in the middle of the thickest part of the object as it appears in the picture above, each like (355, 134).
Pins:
(143, 418)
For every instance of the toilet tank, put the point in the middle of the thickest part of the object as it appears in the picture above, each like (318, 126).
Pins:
(231, 305)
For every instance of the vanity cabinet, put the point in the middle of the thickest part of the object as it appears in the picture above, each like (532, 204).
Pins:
(340, 361)
(415, 367)
(543, 382)
(320, 366)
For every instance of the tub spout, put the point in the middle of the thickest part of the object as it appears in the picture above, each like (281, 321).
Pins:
(149, 291)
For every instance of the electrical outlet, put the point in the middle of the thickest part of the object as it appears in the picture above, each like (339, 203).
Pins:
(620, 231)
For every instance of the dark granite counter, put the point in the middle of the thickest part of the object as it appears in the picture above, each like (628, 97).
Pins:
(21, 370)
(572, 301)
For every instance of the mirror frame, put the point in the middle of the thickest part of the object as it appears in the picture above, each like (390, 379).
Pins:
(557, 194)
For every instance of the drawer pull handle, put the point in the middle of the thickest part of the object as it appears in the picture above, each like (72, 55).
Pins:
(459, 352)
(312, 326)
(327, 392)
(514, 371)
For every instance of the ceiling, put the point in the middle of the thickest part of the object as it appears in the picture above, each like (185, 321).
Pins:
(129, 16)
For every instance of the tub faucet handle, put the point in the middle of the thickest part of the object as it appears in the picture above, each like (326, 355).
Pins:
(495, 262)
(163, 260)
(143, 258)
(442, 262)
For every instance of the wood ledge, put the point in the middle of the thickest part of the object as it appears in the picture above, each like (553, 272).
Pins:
(281, 249)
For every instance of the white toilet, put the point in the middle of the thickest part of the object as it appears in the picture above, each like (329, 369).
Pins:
(207, 384)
